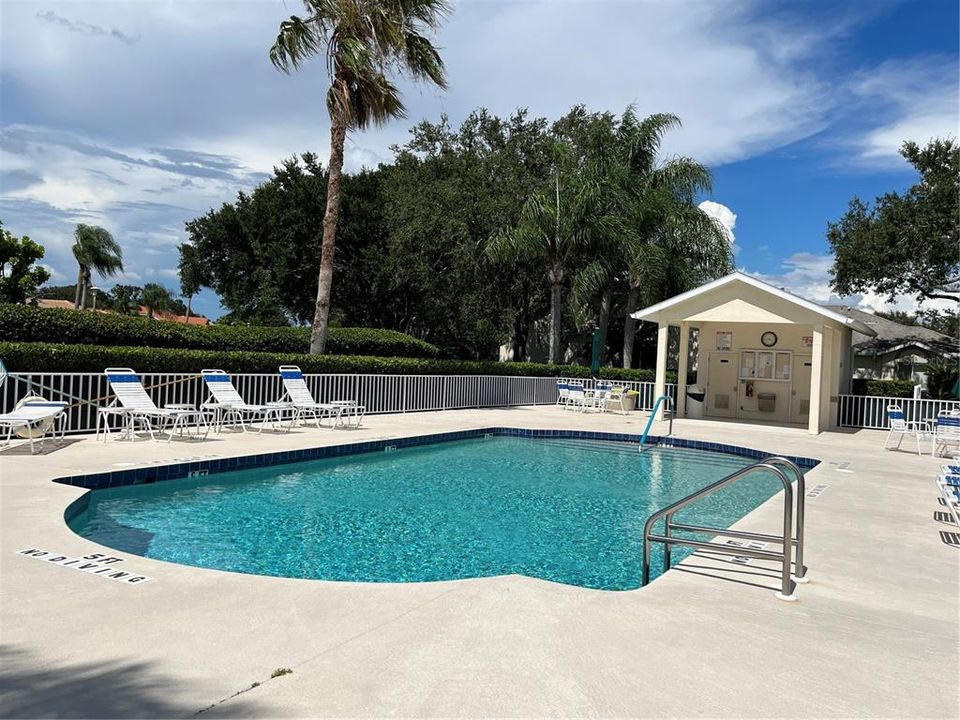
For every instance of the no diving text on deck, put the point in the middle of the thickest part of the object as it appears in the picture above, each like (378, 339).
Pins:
(95, 564)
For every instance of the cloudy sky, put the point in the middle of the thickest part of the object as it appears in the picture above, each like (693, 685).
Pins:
(140, 115)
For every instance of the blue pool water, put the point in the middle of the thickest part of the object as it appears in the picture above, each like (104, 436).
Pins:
(571, 511)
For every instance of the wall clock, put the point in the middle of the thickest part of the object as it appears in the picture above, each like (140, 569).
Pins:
(769, 339)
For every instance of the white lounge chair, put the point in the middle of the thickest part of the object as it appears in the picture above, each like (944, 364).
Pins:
(228, 404)
(296, 389)
(901, 426)
(949, 485)
(137, 407)
(33, 418)
(342, 410)
(946, 432)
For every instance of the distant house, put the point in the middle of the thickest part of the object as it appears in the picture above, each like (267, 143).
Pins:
(167, 316)
(51, 303)
(162, 315)
(897, 352)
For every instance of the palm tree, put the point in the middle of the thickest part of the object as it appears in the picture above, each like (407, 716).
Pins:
(362, 41)
(671, 245)
(94, 249)
(156, 297)
(555, 225)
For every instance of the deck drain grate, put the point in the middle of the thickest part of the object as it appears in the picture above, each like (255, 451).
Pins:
(950, 538)
(944, 517)
(816, 491)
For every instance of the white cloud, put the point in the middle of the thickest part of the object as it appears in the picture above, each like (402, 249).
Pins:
(805, 274)
(128, 81)
(915, 99)
(808, 275)
(736, 89)
(725, 216)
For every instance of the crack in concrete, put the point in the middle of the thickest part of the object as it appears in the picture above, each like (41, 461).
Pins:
(330, 649)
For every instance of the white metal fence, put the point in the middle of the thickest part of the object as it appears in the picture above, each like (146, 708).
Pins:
(862, 411)
(379, 393)
(391, 394)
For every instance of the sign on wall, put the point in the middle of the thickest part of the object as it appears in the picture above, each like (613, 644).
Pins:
(807, 341)
(724, 340)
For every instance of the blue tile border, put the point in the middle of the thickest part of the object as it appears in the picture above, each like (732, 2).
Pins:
(158, 473)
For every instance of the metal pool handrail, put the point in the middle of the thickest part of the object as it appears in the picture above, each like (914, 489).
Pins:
(653, 414)
(784, 539)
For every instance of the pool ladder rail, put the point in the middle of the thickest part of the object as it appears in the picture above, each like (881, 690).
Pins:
(778, 467)
(663, 399)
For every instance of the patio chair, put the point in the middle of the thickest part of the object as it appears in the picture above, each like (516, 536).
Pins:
(228, 404)
(601, 393)
(946, 432)
(33, 418)
(577, 397)
(563, 392)
(618, 395)
(901, 426)
(295, 387)
(137, 407)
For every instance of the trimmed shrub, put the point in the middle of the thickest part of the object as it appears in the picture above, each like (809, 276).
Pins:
(882, 388)
(55, 357)
(29, 324)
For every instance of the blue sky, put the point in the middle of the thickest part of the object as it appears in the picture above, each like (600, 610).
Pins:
(140, 115)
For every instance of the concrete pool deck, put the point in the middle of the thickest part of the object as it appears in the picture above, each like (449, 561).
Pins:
(875, 633)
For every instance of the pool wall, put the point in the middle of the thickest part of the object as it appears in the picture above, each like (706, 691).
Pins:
(158, 473)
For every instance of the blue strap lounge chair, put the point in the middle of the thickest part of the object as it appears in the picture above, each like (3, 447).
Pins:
(137, 407)
(295, 387)
(946, 432)
(229, 405)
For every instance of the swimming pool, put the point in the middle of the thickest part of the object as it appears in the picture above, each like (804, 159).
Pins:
(560, 509)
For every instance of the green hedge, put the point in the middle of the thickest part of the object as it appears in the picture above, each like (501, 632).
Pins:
(29, 324)
(54, 357)
(883, 388)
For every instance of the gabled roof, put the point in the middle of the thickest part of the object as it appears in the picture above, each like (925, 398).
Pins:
(738, 277)
(890, 335)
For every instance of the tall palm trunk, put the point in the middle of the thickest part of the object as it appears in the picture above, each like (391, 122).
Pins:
(603, 324)
(83, 290)
(189, 304)
(76, 296)
(318, 334)
(555, 319)
(630, 326)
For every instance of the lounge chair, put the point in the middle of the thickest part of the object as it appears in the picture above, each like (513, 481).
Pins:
(901, 426)
(946, 432)
(137, 407)
(228, 404)
(563, 392)
(33, 418)
(949, 486)
(296, 389)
